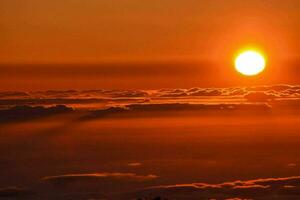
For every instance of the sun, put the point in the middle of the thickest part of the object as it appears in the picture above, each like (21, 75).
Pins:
(250, 63)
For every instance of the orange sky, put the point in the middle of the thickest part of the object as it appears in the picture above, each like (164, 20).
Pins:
(140, 31)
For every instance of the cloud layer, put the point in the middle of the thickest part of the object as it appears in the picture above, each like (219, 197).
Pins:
(15, 192)
(20, 113)
(281, 188)
(97, 176)
(280, 90)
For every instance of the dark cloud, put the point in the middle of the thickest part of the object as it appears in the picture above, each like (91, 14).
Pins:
(195, 107)
(15, 192)
(72, 94)
(260, 96)
(94, 184)
(77, 196)
(252, 189)
(55, 101)
(98, 176)
(135, 109)
(13, 94)
(20, 113)
(55, 94)
(79, 186)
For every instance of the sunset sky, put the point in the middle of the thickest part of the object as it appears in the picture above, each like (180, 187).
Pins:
(187, 41)
(149, 99)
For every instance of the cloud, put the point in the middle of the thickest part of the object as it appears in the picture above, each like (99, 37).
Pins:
(239, 91)
(206, 92)
(127, 93)
(134, 164)
(98, 176)
(260, 96)
(104, 103)
(251, 189)
(108, 184)
(20, 113)
(174, 107)
(264, 88)
(118, 97)
(71, 94)
(194, 107)
(173, 92)
(196, 92)
(15, 192)
(13, 94)
(267, 93)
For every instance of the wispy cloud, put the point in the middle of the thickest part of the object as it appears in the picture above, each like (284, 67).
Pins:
(98, 176)
(253, 189)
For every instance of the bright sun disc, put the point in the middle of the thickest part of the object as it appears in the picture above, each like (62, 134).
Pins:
(250, 63)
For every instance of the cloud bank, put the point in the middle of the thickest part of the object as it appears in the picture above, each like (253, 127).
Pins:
(20, 113)
(15, 192)
(269, 188)
(281, 90)
(97, 176)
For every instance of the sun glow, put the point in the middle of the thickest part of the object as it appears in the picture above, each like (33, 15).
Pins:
(250, 63)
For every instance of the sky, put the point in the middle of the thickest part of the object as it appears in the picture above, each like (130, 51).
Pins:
(134, 99)
(197, 39)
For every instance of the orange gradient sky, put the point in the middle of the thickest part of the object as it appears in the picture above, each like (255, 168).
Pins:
(134, 31)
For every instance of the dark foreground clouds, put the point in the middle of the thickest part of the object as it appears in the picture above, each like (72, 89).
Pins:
(16, 192)
(20, 113)
(145, 109)
(24, 113)
(80, 186)
(269, 188)
(105, 185)
(61, 179)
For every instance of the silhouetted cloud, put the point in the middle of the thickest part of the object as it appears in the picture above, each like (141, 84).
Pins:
(91, 184)
(98, 176)
(260, 96)
(195, 107)
(19, 113)
(15, 192)
(174, 107)
(13, 94)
